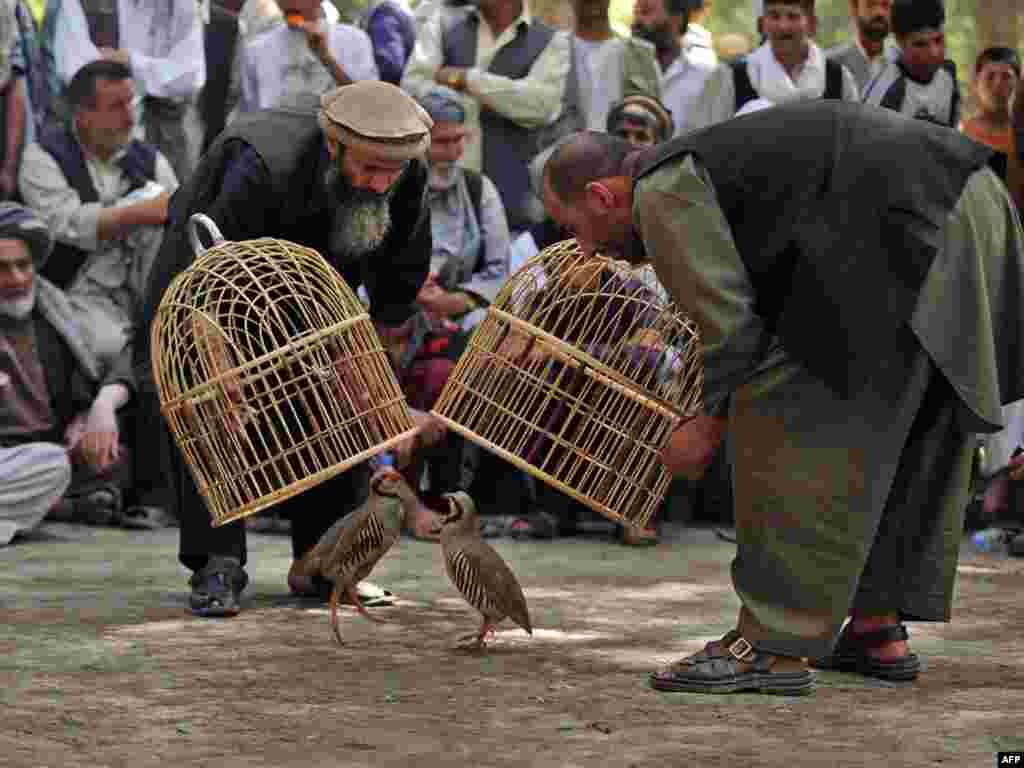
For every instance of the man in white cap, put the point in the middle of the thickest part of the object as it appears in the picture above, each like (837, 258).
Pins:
(349, 181)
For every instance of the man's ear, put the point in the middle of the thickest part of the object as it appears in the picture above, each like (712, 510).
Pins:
(812, 25)
(332, 149)
(599, 197)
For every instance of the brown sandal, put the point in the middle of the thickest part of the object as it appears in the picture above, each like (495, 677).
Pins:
(852, 654)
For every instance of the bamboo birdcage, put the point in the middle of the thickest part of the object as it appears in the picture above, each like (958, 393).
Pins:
(270, 373)
(578, 374)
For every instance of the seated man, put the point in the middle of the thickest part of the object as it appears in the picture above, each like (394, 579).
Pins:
(640, 120)
(104, 197)
(469, 259)
(59, 422)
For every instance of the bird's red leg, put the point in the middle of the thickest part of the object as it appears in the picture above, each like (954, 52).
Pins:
(354, 597)
(334, 616)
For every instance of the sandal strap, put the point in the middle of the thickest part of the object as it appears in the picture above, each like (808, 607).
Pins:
(894, 633)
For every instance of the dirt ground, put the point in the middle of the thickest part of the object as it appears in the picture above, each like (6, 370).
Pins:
(101, 665)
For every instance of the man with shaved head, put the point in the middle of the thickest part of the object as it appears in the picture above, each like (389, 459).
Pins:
(825, 250)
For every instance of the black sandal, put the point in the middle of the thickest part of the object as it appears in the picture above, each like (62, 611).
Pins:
(716, 670)
(851, 654)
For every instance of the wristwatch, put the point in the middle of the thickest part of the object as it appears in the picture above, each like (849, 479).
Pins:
(457, 79)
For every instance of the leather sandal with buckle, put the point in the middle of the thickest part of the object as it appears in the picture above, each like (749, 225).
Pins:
(732, 665)
(851, 654)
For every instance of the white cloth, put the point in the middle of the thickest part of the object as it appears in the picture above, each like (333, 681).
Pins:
(33, 477)
(931, 101)
(532, 101)
(599, 72)
(698, 46)
(756, 105)
(257, 16)
(681, 87)
(163, 37)
(771, 81)
(278, 68)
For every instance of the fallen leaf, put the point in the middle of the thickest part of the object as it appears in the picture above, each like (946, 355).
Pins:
(184, 728)
(600, 726)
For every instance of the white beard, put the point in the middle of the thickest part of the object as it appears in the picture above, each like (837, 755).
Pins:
(359, 226)
(19, 308)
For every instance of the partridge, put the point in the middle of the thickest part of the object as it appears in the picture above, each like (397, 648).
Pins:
(478, 572)
(349, 549)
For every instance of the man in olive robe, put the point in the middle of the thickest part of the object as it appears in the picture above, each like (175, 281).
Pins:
(856, 277)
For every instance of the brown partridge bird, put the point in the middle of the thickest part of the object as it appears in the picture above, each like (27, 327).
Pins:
(350, 548)
(478, 572)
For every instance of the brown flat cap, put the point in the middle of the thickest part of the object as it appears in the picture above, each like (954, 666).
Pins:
(378, 117)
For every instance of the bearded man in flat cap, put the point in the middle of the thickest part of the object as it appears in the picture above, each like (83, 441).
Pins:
(348, 180)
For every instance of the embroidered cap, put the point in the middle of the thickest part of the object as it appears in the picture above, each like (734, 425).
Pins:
(443, 105)
(21, 223)
(644, 109)
(377, 117)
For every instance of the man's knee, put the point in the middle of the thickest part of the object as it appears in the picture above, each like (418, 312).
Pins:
(39, 471)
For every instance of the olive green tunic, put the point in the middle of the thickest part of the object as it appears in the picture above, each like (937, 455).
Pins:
(846, 503)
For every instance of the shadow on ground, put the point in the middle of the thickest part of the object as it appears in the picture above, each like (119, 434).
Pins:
(101, 664)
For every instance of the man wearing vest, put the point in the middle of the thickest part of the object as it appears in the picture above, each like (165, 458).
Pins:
(392, 30)
(348, 182)
(663, 23)
(824, 250)
(104, 196)
(788, 67)
(605, 67)
(921, 82)
(869, 48)
(162, 42)
(512, 68)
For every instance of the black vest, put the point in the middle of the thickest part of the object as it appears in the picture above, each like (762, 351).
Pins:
(102, 18)
(897, 92)
(507, 147)
(138, 163)
(291, 147)
(745, 91)
(837, 210)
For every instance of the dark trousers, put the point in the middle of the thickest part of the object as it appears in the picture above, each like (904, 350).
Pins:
(311, 512)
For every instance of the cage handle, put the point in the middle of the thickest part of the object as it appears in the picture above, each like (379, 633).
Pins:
(212, 230)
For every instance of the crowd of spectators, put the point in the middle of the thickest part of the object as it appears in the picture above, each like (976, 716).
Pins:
(108, 106)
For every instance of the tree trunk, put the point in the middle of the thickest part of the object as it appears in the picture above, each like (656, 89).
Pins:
(997, 22)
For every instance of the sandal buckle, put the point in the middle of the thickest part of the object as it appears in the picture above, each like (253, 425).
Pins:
(741, 650)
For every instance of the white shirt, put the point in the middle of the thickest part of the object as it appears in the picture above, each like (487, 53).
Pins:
(532, 101)
(277, 67)
(599, 73)
(164, 39)
(697, 44)
(932, 100)
(681, 87)
(771, 81)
